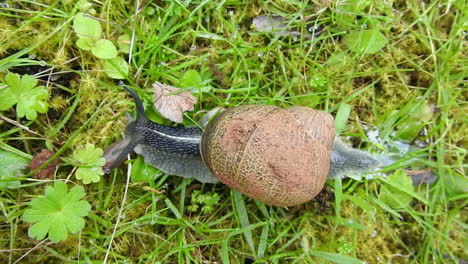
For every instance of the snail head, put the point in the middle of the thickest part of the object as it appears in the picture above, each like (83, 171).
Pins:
(134, 135)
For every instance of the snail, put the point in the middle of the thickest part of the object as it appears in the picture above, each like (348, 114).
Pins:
(279, 156)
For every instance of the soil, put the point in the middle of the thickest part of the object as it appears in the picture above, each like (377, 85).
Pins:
(41, 158)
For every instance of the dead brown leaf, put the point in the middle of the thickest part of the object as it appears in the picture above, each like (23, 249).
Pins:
(174, 105)
(39, 159)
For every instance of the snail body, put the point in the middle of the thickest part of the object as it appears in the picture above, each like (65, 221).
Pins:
(278, 156)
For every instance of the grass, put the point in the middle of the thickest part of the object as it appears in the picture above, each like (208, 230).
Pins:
(422, 65)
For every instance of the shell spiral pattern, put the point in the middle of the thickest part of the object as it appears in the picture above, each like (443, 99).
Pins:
(277, 156)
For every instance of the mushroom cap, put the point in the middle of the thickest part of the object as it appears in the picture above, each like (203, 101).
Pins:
(278, 156)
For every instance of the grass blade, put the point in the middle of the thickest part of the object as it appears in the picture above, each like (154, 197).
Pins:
(243, 218)
(336, 258)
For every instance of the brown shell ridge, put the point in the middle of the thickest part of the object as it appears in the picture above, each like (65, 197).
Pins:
(327, 129)
(247, 143)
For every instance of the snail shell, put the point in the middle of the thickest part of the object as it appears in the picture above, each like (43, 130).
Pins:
(277, 156)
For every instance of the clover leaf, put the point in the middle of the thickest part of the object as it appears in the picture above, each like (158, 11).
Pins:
(57, 212)
(91, 161)
(22, 91)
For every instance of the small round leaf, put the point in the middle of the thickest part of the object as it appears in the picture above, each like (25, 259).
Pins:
(104, 49)
(366, 41)
(124, 43)
(116, 68)
(85, 43)
(86, 27)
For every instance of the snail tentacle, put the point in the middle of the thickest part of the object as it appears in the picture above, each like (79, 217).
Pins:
(119, 151)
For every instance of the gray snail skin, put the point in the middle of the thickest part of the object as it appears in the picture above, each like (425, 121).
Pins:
(281, 157)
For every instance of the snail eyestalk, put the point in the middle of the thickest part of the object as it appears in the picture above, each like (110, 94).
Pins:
(138, 103)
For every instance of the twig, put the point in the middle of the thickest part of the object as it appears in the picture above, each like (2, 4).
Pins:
(29, 251)
(13, 122)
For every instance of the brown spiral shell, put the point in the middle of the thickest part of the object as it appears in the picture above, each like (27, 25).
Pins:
(278, 156)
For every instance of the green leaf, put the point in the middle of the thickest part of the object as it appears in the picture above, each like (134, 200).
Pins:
(366, 41)
(23, 91)
(11, 166)
(104, 49)
(57, 213)
(342, 117)
(7, 99)
(455, 184)
(193, 80)
(397, 194)
(89, 155)
(190, 79)
(263, 242)
(75, 195)
(318, 81)
(90, 160)
(13, 80)
(32, 103)
(338, 60)
(85, 43)
(412, 124)
(142, 172)
(28, 82)
(208, 201)
(116, 68)
(346, 12)
(84, 5)
(309, 100)
(86, 27)
(149, 11)
(124, 43)
(89, 175)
